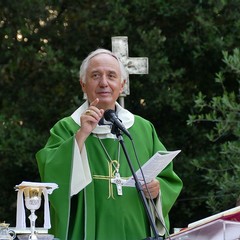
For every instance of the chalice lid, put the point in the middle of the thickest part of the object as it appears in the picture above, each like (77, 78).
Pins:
(4, 225)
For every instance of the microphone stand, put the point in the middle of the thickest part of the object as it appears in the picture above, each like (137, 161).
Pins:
(116, 130)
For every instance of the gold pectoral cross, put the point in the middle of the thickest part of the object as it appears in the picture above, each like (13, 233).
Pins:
(113, 177)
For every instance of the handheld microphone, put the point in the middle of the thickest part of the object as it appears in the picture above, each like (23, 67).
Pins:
(110, 115)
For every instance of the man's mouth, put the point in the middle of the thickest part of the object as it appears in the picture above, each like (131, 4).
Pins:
(103, 93)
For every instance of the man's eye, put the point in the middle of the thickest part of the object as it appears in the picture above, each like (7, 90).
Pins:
(111, 75)
(96, 75)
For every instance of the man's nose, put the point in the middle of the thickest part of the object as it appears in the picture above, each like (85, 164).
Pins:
(104, 81)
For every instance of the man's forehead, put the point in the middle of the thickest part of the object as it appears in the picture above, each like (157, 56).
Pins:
(97, 63)
(103, 53)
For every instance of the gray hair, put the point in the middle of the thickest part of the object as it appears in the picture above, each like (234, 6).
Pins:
(85, 64)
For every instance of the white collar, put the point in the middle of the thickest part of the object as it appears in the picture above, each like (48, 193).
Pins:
(124, 115)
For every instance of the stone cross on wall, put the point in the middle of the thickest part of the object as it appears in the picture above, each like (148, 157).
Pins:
(133, 65)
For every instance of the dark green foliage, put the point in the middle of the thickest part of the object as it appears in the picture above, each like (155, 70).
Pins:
(43, 44)
(223, 113)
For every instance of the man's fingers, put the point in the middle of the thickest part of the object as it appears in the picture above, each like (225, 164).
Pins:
(95, 102)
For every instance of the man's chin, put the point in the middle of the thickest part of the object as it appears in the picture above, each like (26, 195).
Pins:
(106, 104)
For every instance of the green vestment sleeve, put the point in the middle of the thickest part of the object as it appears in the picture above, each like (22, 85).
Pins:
(55, 163)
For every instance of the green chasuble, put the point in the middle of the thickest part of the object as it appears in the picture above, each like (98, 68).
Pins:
(97, 211)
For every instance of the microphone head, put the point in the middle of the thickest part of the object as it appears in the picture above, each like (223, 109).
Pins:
(109, 114)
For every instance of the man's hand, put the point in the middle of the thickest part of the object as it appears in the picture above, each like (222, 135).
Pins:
(153, 188)
(89, 120)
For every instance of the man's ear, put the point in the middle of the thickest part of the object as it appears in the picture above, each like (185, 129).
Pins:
(82, 85)
(123, 84)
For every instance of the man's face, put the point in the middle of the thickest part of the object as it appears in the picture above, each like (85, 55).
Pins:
(103, 81)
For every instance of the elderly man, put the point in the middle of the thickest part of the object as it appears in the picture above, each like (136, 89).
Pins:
(83, 157)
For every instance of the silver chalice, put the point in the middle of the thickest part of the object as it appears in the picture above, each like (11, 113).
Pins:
(33, 196)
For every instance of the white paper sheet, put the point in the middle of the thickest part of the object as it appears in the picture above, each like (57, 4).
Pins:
(153, 167)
